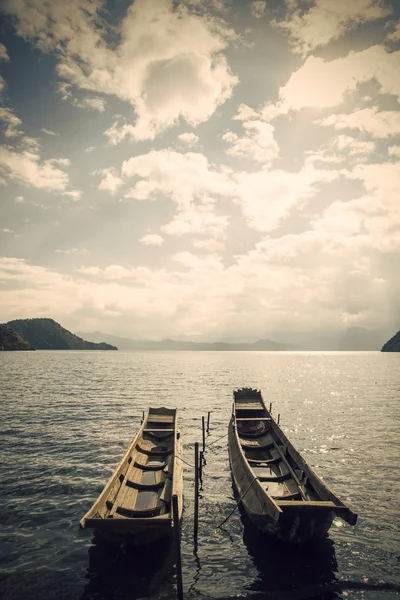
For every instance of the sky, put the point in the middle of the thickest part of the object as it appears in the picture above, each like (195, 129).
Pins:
(200, 169)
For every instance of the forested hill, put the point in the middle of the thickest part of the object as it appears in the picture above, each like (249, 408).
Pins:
(47, 334)
(393, 345)
(11, 340)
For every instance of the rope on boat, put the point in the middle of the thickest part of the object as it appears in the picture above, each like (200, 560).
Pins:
(220, 438)
(186, 463)
(237, 503)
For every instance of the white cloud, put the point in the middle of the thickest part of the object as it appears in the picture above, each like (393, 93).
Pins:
(267, 197)
(245, 113)
(74, 194)
(198, 219)
(19, 200)
(26, 166)
(151, 68)
(339, 149)
(327, 20)
(394, 151)
(209, 245)
(48, 131)
(190, 139)
(258, 143)
(380, 124)
(96, 103)
(181, 177)
(394, 36)
(152, 239)
(12, 123)
(3, 53)
(90, 149)
(110, 181)
(72, 251)
(323, 84)
(6, 230)
(354, 146)
(257, 8)
(375, 216)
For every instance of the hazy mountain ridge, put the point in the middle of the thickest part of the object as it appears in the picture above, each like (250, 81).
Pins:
(351, 339)
(167, 344)
(47, 334)
(12, 340)
(392, 345)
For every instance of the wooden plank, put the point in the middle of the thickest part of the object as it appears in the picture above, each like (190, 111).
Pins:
(253, 419)
(307, 503)
(125, 524)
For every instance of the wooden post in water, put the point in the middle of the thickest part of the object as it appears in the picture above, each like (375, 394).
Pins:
(208, 421)
(270, 407)
(201, 467)
(196, 493)
(279, 417)
(177, 536)
(203, 426)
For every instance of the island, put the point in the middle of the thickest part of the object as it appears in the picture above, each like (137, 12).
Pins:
(393, 345)
(11, 340)
(47, 334)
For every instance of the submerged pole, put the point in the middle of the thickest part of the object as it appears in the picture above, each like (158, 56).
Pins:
(177, 536)
(208, 421)
(270, 407)
(279, 417)
(196, 493)
(203, 426)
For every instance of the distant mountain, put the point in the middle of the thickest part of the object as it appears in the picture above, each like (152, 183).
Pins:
(47, 334)
(11, 339)
(393, 345)
(351, 339)
(167, 344)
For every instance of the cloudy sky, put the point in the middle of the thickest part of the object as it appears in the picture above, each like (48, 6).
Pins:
(213, 168)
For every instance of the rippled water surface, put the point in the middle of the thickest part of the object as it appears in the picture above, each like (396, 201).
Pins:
(67, 417)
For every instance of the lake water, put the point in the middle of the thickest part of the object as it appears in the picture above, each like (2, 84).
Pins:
(67, 417)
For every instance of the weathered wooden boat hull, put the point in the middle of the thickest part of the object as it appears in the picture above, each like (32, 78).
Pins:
(135, 507)
(303, 508)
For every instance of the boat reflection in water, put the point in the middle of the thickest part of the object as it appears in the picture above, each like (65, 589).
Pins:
(291, 572)
(113, 574)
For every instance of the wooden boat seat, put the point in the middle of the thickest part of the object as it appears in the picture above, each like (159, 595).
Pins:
(154, 451)
(263, 462)
(132, 513)
(143, 486)
(291, 497)
(277, 478)
(266, 446)
(160, 466)
(158, 431)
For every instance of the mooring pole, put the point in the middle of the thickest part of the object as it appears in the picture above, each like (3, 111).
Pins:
(177, 535)
(203, 426)
(279, 417)
(201, 467)
(270, 407)
(196, 493)
(208, 421)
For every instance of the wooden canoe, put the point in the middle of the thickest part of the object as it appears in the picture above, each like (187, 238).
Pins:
(135, 506)
(279, 492)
